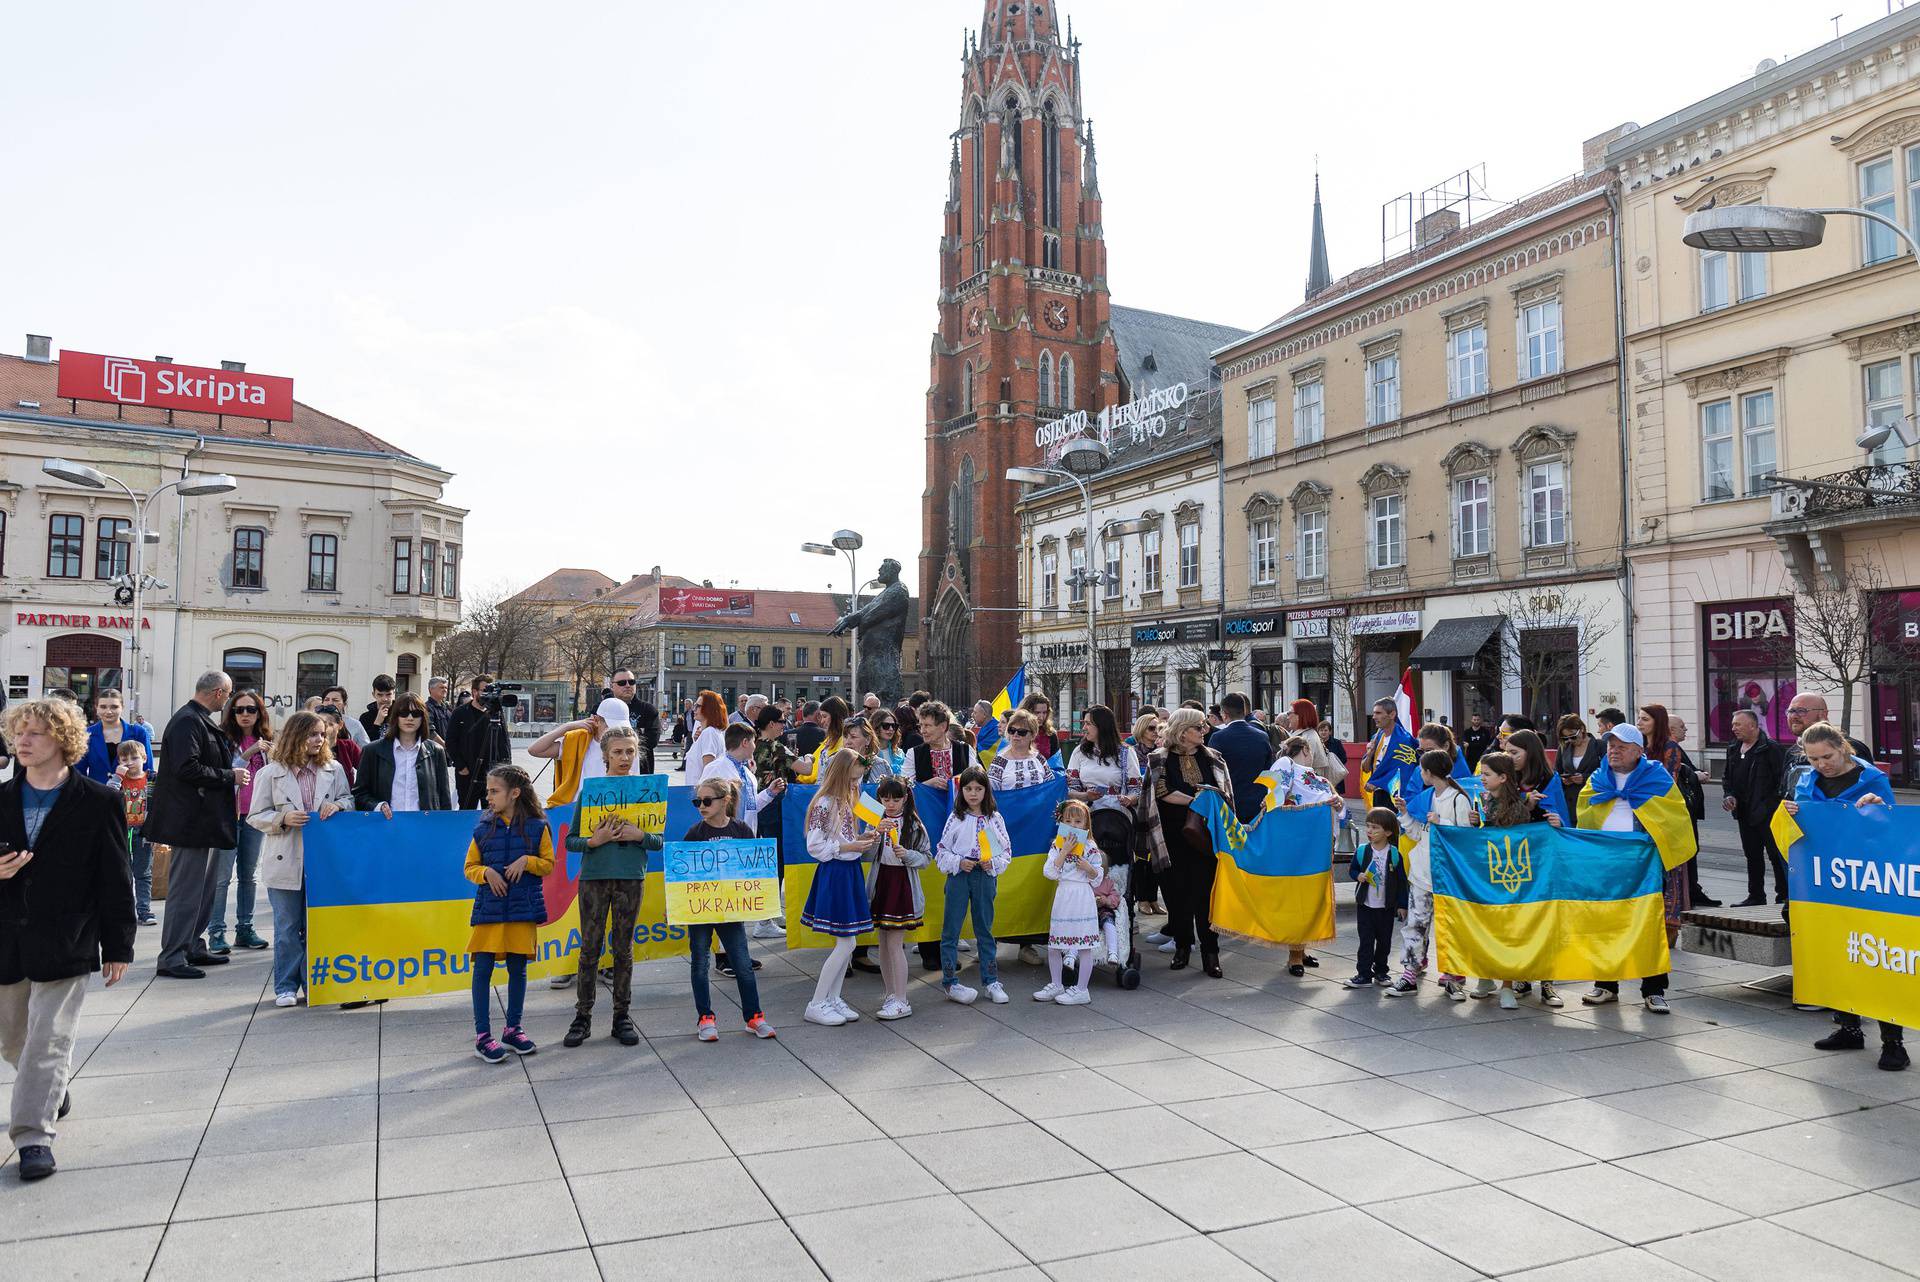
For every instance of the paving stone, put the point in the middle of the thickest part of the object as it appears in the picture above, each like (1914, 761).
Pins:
(1174, 1080)
(1747, 1182)
(436, 1229)
(946, 1231)
(1226, 1191)
(1881, 1228)
(1286, 1067)
(1783, 1094)
(1482, 1088)
(1062, 1094)
(1342, 1245)
(1702, 1113)
(504, 1103)
(1851, 1159)
(1135, 1137)
(1596, 1130)
(122, 1141)
(644, 1090)
(1621, 1204)
(311, 1244)
(1629, 1264)
(802, 1181)
(1259, 1121)
(777, 1125)
(1037, 1226)
(1362, 1168)
(116, 1255)
(576, 1265)
(1757, 1248)
(465, 1160)
(263, 1128)
(633, 1143)
(1485, 1148)
(1378, 1103)
(1459, 1222)
(131, 1094)
(768, 1250)
(620, 1206)
(1387, 1055)
(988, 1157)
(277, 1180)
(925, 1110)
(1185, 1257)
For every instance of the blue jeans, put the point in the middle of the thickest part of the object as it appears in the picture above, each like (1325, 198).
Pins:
(245, 856)
(516, 964)
(289, 939)
(733, 938)
(142, 854)
(968, 891)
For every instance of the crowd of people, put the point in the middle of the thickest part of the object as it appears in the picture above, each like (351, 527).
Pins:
(87, 814)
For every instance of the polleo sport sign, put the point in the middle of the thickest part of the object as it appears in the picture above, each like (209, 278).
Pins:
(121, 380)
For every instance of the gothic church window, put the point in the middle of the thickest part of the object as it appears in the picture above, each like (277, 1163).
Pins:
(1046, 378)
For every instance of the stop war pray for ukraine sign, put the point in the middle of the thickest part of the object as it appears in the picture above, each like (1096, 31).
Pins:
(727, 880)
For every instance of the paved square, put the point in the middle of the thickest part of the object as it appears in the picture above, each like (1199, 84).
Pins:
(1258, 1125)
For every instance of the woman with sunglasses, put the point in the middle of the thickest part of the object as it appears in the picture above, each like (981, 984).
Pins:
(247, 725)
(1018, 764)
(889, 758)
(406, 771)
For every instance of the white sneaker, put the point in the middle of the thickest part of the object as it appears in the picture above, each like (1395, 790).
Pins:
(958, 992)
(894, 1008)
(1031, 956)
(1167, 947)
(1509, 1000)
(285, 999)
(1657, 1003)
(966, 946)
(1598, 997)
(1051, 991)
(1159, 937)
(1483, 988)
(1549, 995)
(847, 1012)
(823, 1013)
(1074, 997)
(560, 981)
(766, 930)
(996, 994)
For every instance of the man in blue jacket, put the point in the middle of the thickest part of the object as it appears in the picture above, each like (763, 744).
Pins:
(1247, 750)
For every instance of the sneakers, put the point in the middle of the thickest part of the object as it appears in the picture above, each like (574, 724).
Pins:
(1031, 956)
(1074, 997)
(1523, 986)
(1403, 987)
(764, 930)
(246, 937)
(847, 1012)
(759, 1026)
(36, 1162)
(707, 1032)
(1893, 1056)
(1159, 937)
(517, 1042)
(1657, 1003)
(1455, 990)
(1842, 1039)
(996, 994)
(1482, 988)
(148, 919)
(1599, 997)
(217, 943)
(623, 1030)
(562, 981)
(1359, 981)
(816, 1013)
(486, 1048)
(894, 1008)
(1509, 1000)
(285, 999)
(1381, 981)
(1550, 996)
(1051, 991)
(1165, 946)
(578, 1031)
(956, 992)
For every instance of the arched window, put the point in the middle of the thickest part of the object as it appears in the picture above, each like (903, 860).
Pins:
(1049, 170)
(1010, 126)
(1046, 378)
(247, 667)
(963, 510)
(315, 670)
(1065, 399)
(406, 669)
(966, 388)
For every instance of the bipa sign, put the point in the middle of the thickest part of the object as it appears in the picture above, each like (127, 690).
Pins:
(121, 380)
(1746, 625)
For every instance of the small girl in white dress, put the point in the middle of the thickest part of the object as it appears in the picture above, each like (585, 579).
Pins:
(1075, 864)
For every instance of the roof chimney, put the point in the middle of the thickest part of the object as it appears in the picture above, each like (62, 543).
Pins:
(1438, 225)
(1593, 152)
(235, 367)
(39, 347)
(163, 360)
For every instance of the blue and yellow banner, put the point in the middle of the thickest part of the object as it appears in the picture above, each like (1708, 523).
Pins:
(1023, 901)
(1537, 902)
(986, 741)
(1274, 878)
(388, 905)
(1853, 876)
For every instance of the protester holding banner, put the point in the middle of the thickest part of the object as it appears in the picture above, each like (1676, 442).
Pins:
(1636, 794)
(302, 782)
(837, 904)
(714, 798)
(1181, 769)
(406, 771)
(898, 902)
(1838, 778)
(511, 851)
(1018, 764)
(613, 882)
(974, 850)
(1448, 806)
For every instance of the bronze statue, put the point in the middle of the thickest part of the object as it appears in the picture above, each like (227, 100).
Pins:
(882, 625)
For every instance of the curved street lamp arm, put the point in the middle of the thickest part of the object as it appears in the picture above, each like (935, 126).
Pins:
(1912, 245)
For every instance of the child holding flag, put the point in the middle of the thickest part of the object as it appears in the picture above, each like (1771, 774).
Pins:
(1075, 865)
(974, 850)
(837, 902)
(1447, 805)
(893, 886)
(1379, 872)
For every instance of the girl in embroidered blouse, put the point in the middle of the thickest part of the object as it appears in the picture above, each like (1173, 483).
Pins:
(974, 850)
(837, 903)
(1075, 865)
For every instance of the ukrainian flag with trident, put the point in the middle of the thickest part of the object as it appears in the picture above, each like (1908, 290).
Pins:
(987, 741)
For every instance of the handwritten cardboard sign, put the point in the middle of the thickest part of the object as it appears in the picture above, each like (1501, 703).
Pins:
(719, 881)
(639, 799)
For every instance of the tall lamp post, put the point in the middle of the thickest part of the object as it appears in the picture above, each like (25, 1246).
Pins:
(848, 542)
(94, 479)
(1773, 229)
(1080, 459)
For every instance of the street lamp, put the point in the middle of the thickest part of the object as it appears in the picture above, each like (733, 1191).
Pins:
(1079, 460)
(1773, 229)
(848, 542)
(188, 486)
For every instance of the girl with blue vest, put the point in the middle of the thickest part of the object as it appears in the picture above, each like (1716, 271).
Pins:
(510, 852)
(1838, 777)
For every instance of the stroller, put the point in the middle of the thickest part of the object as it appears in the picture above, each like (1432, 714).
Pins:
(1113, 833)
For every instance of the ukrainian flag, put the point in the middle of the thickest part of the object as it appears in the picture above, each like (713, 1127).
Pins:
(1658, 808)
(1853, 874)
(1538, 902)
(1396, 767)
(868, 810)
(987, 739)
(1274, 879)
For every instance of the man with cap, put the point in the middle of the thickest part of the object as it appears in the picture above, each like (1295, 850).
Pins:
(577, 747)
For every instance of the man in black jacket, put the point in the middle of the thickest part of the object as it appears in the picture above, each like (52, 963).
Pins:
(374, 719)
(1755, 767)
(191, 808)
(439, 711)
(1475, 740)
(477, 742)
(645, 717)
(66, 910)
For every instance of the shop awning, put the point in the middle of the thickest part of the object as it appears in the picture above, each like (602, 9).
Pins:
(1451, 645)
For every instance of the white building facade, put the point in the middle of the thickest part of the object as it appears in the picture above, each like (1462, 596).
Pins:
(332, 561)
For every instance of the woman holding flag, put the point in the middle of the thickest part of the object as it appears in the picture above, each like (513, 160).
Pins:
(1291, 781)
(1181, 769)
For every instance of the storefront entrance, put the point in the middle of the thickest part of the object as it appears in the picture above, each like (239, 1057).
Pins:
(83, 662)
(1895, 622)
(1748, 665)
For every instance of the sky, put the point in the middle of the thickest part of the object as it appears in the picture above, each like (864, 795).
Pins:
(657, 282)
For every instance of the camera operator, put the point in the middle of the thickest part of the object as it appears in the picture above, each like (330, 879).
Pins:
(477, 742)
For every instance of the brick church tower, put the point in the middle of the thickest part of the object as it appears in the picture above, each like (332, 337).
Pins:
(1024, 337)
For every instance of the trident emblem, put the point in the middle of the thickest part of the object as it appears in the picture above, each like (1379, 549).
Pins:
(1510, 867)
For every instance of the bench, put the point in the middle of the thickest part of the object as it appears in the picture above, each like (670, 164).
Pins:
(1756, 935)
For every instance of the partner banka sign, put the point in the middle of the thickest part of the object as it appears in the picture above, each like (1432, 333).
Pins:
(1144, 418)
(121, 380)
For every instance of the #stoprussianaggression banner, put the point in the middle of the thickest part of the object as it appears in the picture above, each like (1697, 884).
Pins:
(1853, 878)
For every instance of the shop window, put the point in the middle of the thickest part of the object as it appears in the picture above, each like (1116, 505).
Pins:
(323, 562)
(1749, 666)
(314, 672)
(66, 541)
(249, 556)
(247, 667)
(112, 547)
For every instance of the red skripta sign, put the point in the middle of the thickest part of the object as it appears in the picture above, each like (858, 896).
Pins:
(684, 601)
(121, 380)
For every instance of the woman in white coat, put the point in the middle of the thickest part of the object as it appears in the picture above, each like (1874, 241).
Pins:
(301, 783)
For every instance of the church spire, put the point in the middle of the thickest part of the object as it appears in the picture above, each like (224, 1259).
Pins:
(1318, 276)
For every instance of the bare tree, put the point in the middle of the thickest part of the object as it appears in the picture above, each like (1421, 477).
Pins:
(1836, 623)
(576, 648)
(1567, 632)
(498, 633)
(1347, 670)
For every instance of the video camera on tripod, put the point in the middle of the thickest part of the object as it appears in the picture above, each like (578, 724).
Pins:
(499, 694)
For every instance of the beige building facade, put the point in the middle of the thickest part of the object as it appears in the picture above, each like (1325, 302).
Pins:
(1744, 368)
(1422, 470)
